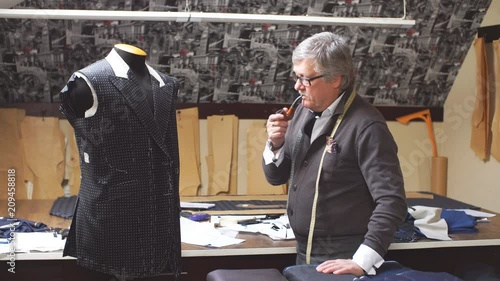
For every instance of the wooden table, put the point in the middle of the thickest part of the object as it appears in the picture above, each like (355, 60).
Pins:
(258, 251)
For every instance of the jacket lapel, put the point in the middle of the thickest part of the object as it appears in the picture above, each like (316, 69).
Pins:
(161, 103)
(328, 127)
(132, 93)
(303, 141)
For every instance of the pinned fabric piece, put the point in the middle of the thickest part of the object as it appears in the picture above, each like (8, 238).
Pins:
(495, 126)
(72, 171)
(480, 132)
(233, 179)
(256, 180)
(44, 150)
(221, 158)
(189, 151)
(11, 151)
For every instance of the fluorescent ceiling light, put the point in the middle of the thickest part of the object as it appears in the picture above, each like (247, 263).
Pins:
(202, 17)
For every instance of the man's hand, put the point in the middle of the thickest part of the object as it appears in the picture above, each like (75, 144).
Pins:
(276, 128)
(340, 266)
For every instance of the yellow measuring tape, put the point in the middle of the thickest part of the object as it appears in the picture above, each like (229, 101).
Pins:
(315, 201)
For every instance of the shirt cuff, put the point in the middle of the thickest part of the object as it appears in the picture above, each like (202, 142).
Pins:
(368, 259)
(271, 157)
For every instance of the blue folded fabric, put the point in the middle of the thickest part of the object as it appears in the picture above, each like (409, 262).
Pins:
(458, 221)
(407, 232)
(20, 225)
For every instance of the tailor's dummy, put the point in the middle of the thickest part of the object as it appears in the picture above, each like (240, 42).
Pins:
(126, 221)
(80, 95)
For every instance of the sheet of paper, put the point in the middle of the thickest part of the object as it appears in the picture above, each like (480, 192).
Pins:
(26, 242)
(204, 234)
(475, 213)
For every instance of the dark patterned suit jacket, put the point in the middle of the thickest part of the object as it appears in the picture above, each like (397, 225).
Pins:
(126, 222)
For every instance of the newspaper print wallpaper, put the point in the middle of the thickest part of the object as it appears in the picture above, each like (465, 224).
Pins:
(244, 63)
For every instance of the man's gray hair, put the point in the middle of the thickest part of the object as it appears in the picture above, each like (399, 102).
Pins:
(331, 57)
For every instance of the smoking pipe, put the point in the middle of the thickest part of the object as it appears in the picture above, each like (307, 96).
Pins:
(291, 110)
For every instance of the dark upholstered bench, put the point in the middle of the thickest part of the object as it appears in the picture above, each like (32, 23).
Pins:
(266, 274)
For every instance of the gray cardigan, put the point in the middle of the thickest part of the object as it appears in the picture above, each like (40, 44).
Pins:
(361, 191)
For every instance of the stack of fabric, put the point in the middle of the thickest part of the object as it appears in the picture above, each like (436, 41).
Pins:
(438, 223)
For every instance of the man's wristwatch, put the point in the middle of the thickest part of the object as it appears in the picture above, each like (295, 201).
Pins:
(274, 148)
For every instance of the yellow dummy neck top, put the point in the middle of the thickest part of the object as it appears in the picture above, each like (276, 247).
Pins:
(131, 49)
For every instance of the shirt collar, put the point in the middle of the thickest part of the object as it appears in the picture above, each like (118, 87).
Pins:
(120, 67)
(331, 109)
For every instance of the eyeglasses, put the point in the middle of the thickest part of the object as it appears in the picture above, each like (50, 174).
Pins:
(306, 82)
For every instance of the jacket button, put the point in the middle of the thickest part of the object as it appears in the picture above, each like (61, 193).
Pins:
(306, 163)
(294, 187)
